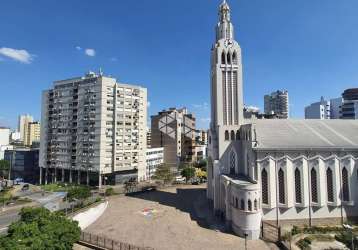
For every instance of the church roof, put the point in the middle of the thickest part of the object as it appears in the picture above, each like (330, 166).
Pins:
(305, 134)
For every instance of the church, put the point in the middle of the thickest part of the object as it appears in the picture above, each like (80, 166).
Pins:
(282, 172)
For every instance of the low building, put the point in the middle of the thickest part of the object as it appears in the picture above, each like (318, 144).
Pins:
(319, 110)
(24, 164)
(154, 158)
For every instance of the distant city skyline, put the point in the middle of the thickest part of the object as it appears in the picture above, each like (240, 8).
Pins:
(309, 49)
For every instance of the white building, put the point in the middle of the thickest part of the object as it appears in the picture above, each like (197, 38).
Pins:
(91, 127)
(22, 126)
(15, 136)
(335, 105)
(318, 110)
(274, 171)
(4, 136)
(155, 158)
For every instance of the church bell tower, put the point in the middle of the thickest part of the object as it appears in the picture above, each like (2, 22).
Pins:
(226, 84)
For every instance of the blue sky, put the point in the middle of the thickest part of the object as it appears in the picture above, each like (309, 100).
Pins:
(309, 47)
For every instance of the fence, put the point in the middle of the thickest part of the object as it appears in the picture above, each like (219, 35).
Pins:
(105, 243)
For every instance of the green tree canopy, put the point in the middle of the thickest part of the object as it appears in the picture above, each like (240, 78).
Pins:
(78, 192)
(164, 174)
(188, 173)
(40, 229)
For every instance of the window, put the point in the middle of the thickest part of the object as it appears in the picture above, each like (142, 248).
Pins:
(228, 58)
(298, 186)
(232, 162)
(232, 135)
(345, 185)
(223, 58)
(226, 135)
(314, 193)
(255, 204)
(234, 58)
(236, 203)
(249, 205)
(264, 186)
(238, 135)
(281, 186)
(242, 204)
(330, 195)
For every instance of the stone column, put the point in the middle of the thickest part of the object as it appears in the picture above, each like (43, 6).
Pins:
(70, 176)
(99, 180)
(46, 175)
(87, 178)
(79, 177)
(63, 175)
(40, 175)
(55, 175)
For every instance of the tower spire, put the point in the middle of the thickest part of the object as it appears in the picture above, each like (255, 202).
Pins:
(224, 27)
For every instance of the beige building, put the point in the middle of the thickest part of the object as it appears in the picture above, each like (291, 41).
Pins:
(93, 129)
(32, 133)
(22, 125)
(174, 130)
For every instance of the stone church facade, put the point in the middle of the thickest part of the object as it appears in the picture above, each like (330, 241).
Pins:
(279, 171)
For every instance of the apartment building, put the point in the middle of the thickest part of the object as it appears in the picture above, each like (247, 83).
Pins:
(93, 129)
(174, 130)
(349, 109)
(32, 133)
(155, 158)
(22, 125)
(277, 103)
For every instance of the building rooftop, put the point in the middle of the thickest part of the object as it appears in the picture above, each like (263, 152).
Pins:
(306, 134)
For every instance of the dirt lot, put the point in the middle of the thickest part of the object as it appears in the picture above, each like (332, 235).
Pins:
(174, 218)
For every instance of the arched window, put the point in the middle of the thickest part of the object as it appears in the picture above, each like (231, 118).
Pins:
(314, 190)
(236, 203)
(223, 58)
(228, 58)
(281, 186)
(345, 185)
(234, 58)
(226, 135)
(249, 205)
(232, 135)
(264, 186)
(298, 186)
(255, 204)
(232, 162)
(238, 135)
(242, 204)
(330, 195)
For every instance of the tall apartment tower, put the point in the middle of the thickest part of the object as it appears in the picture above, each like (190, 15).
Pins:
(277, 103)
(93, 129)
(22, 125)
(349, 109)
(174, 130)
(32, 133)
(226, 83)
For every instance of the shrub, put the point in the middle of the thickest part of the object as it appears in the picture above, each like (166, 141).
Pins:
(303, 243)
(109, 192)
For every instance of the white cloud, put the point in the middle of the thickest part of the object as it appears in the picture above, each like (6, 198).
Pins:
(114, 59)
(78, 48)
(148, 104)
(19, 55)
(90, 52)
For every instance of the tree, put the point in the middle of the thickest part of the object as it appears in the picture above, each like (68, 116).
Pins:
(164, 174)
(188, 173)
(78, 192)
(38, 228)
(201, 164)
(4, 168)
